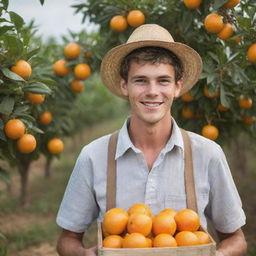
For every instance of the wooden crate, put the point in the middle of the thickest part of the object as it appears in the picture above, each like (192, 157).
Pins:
(201, 250)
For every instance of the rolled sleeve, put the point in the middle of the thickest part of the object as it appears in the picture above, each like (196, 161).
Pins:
(225, 206)
(78, 208)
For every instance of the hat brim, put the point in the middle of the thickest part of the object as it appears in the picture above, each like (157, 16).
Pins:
(110, 66)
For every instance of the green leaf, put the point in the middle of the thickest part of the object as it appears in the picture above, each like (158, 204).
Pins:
(5, 4)
(15, 45)
(37, 87)
(20, 110)
(42, 2)
(6, 106)
(32, 53)
(223, 99)
(2, 135)
(4, 29)
(218, 3)
(16, 19)
(11, 75)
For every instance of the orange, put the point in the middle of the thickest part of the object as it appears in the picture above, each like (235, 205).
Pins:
(135, 240)
(203, 237)
(210, 132)
(149, 242)
(55, 146)
(72, 50)
(164, 240)
(118, 23)
(245, 102)
(82, 71)
(26, 143)
(213, 23)
(35, 98)
(88, 54)
(186, 238)
(113, 241)
(135, 18)
(237, 40)
(164, 223)
(187, 113)
(248, 119)
(187, 97)
(226, 32)
(22, 68)
(139, 208)
(251, 53)
(77, 86)
(231, 3)
(222, 108)
(188, 220)
(139, 223)
(14, 129)
(60, 67)
(169, 211)
(209, 95)
(45, 118)
(192, 3)
(115, 221)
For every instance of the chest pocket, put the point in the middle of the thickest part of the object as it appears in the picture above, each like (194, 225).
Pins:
(178, 202)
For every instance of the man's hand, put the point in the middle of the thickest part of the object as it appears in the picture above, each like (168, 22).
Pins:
(91, 251)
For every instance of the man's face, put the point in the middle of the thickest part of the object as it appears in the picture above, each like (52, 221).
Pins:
(151, 89)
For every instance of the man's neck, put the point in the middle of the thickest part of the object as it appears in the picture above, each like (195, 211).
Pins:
(146, 137)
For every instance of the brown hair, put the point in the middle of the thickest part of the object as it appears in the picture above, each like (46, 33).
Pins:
(153, 55)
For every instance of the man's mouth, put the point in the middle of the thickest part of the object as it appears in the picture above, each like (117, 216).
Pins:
(151, 104)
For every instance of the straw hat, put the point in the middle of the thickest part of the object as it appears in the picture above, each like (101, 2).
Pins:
(150, 35)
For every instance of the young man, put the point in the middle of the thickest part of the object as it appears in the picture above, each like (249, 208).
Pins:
(150, 70)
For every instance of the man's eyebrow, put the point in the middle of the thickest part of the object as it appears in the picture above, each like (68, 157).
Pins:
(138, 76)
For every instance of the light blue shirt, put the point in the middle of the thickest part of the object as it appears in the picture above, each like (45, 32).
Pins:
(161, 187)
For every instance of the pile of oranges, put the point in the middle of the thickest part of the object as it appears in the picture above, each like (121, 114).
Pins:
(138, 228)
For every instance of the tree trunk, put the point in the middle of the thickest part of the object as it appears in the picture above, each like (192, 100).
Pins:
(47, 171)
(23, 168)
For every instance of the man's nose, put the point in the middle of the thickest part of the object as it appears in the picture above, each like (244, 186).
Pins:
(152, 88)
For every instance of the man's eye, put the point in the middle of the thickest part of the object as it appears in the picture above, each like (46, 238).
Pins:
(140, 81)
(164, 81)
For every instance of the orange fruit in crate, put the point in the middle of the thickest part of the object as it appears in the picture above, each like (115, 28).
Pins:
(170, 211)
(140, 208)
(187, 220)
(203, 237)
(149, 242)
(113, 241)
(164, 240)
(135, 240)
(163, 223)
(139, 223)
(186, 238)
(115, 221)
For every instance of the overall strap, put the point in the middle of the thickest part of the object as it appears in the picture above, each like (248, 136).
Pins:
(188, 172)
(111, 172)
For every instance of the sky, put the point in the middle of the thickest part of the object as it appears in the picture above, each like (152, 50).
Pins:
(54, 18)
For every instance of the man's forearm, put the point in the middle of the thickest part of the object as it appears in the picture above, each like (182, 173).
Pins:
(69, 246)
(233, 245)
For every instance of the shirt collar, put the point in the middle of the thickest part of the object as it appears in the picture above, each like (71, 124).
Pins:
(124, 142)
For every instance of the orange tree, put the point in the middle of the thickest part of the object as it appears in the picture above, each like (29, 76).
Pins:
(20, 91)
(222, 103)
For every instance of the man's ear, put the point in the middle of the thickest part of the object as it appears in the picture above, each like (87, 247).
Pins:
(123, 87)
(178, 88)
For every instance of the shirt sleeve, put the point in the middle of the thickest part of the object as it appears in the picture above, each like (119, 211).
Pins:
(78, 208)
(225, 206)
